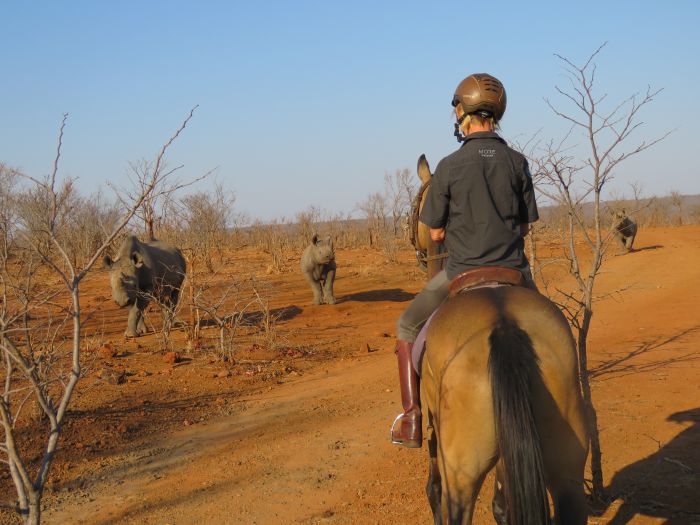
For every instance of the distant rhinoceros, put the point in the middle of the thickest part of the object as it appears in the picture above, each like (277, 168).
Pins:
(318, 266)
(143, 271)
(624, 229)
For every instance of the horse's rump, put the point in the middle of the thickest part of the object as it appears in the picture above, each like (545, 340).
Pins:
(499, 383)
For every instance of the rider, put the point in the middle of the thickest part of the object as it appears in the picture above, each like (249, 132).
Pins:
(480, 203)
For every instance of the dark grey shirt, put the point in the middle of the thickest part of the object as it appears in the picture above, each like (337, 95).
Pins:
(481, 194)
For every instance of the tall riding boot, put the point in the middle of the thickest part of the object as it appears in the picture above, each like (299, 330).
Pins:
(407, 429)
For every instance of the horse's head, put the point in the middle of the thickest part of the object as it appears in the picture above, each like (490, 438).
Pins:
(420, 233)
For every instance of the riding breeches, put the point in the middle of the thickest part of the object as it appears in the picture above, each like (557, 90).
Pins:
(423, 305)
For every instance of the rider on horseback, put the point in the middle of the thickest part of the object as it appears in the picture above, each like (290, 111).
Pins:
(480, 203)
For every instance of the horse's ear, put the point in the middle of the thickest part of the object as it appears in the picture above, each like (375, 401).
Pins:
(314, 239)
(423, 169)
(137, 259)
(107, 261)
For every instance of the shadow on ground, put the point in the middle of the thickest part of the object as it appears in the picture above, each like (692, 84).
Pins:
(396, 295)
(627, 363)
(666, 483)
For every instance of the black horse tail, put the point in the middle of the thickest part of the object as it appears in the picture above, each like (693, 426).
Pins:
(513, 365)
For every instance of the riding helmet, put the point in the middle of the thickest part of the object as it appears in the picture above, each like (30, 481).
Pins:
(483, 94)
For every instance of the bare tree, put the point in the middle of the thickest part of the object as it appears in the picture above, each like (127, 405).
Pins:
(307, 224)
(146, 174)
(571, 178)
(400, 191)
(375, 209)
(41, 295)
(677, 202)
(206, 221)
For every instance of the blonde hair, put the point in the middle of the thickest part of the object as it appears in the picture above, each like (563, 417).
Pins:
(464, 126)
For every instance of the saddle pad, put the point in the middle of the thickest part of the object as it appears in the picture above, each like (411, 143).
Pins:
(419, 344)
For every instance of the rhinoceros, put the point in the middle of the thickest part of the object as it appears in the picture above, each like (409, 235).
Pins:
(318, 266)
(143, 271)
(624, 230)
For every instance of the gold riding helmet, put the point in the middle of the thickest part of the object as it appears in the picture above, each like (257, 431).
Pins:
(482, 94)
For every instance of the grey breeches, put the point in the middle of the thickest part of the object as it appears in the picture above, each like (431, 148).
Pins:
(423, 305)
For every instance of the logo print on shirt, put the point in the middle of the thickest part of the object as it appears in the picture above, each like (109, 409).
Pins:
(487, 153)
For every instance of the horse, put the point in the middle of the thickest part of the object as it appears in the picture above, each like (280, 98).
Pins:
(499, 383)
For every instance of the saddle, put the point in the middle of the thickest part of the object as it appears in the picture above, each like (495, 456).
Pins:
(486, 276)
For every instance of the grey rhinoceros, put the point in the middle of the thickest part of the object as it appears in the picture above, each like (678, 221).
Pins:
(143, 271)
(318, 266)
(624, 229)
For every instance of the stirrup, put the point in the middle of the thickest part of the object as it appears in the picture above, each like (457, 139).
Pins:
(407, 443)
(391, 430)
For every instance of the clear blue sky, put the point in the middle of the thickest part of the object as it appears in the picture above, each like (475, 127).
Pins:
(305, 103)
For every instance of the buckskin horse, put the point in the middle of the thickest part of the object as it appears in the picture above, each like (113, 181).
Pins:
(499, 383)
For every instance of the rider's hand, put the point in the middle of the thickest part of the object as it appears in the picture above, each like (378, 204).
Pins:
(437, 234)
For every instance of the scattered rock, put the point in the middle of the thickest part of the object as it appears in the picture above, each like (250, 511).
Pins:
(171, 358)
(364, 347)
(114, 377)
(107, 351)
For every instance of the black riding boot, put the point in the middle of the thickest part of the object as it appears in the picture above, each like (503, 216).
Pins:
(407, 429)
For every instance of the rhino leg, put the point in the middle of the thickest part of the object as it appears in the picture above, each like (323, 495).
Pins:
(620, 239)
(315, 287)
(135, 325)
(328, 296)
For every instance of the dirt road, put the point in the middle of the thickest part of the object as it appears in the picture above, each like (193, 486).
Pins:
(315, 449)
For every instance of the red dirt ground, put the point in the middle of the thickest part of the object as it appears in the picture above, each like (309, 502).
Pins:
(300, 435)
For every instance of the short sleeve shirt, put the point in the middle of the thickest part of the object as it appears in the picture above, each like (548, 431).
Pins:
(481, 194)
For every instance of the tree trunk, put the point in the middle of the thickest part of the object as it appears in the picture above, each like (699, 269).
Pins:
(34, 514)
(598, 489)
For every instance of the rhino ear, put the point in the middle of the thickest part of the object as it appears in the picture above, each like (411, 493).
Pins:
(314, 239)
(107, 261)
(137, 259)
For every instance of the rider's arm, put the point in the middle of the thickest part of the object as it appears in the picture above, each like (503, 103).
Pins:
(528, 205)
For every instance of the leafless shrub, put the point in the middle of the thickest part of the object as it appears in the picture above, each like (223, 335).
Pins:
(41, 320)
(308, 223)
(572, 179)
(206, 222)
(677, 202)
(226, 308)
(400, 191)
(273, 239)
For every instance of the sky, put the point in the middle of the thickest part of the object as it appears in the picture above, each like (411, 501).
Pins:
(312, 102)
